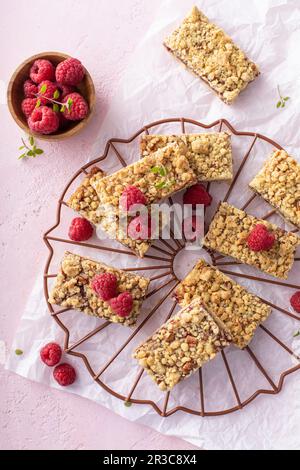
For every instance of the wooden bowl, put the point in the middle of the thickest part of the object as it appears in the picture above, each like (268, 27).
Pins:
(15, 95)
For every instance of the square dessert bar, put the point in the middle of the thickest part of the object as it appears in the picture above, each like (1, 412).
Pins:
(239, 312)
(228, 233)
(209, 154)
(278, 182)
(73, 288)
(183, 344)
(158, 176)
(212, 55)
(85, 201)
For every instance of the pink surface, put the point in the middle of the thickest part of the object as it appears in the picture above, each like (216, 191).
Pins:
(103, 35)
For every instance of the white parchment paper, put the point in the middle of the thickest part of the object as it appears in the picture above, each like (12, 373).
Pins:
(155, 86)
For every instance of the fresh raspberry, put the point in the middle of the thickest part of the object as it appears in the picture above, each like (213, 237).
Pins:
(80, 229)
(64, 374)
(51, 354)
(260, 239)
(28, 105)
(105, 285)
(42, 69)
(141, 228)
(130, 196)
(69, 72)
(79, 108)
(43, 120)
(197, 194)
(122, 305)
(192, 227)
(50, 89)
(30, 89)
(295, 301)
(65, 90)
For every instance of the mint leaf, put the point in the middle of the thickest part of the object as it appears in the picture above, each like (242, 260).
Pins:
(161, 185)
(22, 156)
(297, 333)
(30, 153)
(39, 151)
(128, 404)
(278, 104)
(18, 352)
(31, 140)
(159, 170)
(69, 103)
(38, 103)
(56, 94)
(55, 108)
(22, 147)
(286, 98)
(43, 89)
(62, 109)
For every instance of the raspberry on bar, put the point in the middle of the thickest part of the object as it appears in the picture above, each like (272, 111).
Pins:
(73, 289)
(229, 231)
(86, 202)
(239, 311)
(212, 55)
(209, 154)
(182, 345)
(278, 182)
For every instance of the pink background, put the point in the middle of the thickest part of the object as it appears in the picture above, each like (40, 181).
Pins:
(103, 34)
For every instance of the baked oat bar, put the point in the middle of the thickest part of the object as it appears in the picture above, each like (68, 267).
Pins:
(183, 344)
(209, 154)
(73, 289)
(239, 311)
(278, 182)
(212, 55)
(86, 202)
(228, 233)
(158, 176)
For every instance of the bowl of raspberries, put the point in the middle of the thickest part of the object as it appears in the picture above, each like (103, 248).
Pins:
(51, 95)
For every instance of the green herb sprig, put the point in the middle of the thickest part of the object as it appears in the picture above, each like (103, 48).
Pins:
(162, 171)
(29, 148)
(297, 333)
(57, 105)
(283, 99)
(18, 352)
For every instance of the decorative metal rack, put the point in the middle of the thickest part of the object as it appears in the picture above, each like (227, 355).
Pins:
(167, 256)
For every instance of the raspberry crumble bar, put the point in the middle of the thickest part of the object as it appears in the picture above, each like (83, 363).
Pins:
(212, 55)
(181, 346)
(228, 233)
(85, 201)
(209, 154)
(278, 183)
(73, 288)
(239, 311)
(176, 175)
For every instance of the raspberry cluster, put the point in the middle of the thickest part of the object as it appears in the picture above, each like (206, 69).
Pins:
(64, 374)
(51, 100)
(105, 285)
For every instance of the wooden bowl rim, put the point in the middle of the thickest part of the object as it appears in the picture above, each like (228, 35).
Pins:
(70, 132)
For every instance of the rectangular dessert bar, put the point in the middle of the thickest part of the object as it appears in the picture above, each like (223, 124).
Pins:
(85, 201)
(212, 55)
(158, 176)
(183, 344)
(73, 288)
(228, 233)
(239, 311)
(278, 182)
(209, 154)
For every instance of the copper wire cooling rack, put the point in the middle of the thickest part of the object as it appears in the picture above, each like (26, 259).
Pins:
(165, 252)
